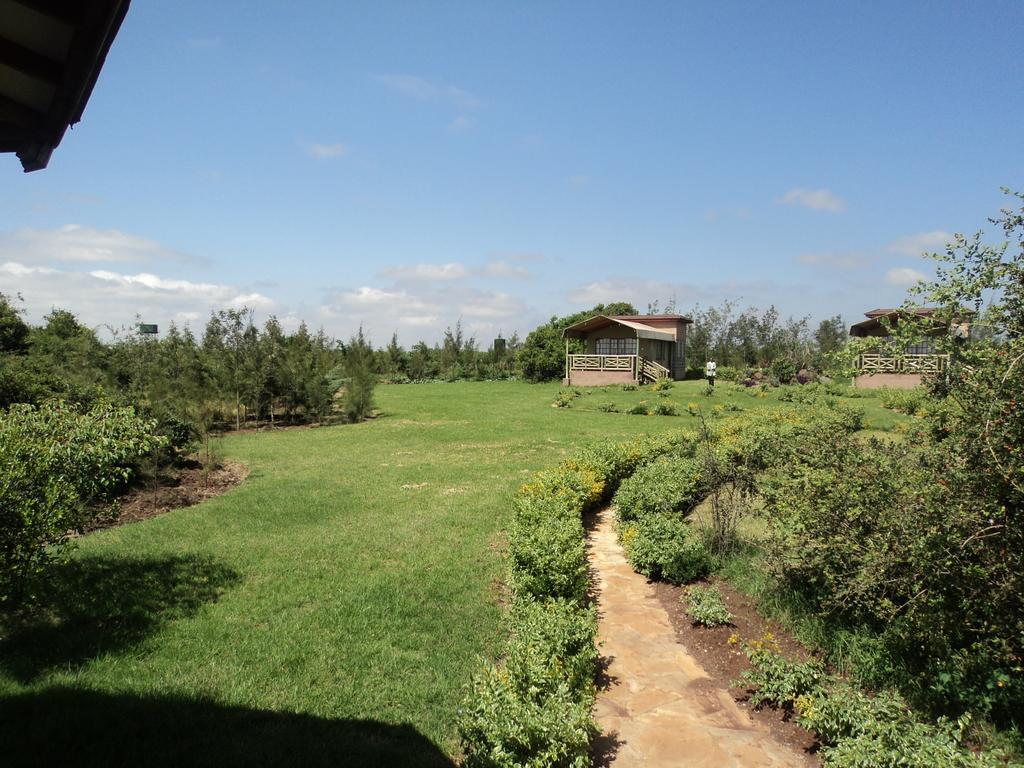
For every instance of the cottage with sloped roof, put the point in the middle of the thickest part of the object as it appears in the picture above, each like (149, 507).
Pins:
(622, 349)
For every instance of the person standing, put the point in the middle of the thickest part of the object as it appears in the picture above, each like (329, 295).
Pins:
(710, 371)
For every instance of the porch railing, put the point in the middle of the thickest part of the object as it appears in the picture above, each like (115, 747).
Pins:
(641, 368)
(603, 363)
(875, 363)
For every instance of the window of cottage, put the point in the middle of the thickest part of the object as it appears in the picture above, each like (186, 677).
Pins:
(616, 346)
(921, 348)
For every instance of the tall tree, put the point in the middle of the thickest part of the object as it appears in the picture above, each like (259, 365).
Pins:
(542, 356)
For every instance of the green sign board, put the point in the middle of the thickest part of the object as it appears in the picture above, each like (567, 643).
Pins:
(148, 328)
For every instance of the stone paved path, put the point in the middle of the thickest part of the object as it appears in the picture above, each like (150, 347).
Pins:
(660, 707)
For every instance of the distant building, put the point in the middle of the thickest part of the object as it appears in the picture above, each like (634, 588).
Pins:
(627, 349)
(907, 369)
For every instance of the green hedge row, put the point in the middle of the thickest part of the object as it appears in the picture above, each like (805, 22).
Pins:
(534, 708)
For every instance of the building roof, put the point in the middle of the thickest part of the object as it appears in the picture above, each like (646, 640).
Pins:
(51, 53)
(643, 318)
(874, 325)
(643, 331)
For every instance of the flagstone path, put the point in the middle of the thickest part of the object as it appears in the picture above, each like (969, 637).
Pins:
(660, 707)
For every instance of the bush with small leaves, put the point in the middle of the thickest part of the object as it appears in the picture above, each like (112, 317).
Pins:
(706, 607)
(667, 484)
(663, 546)
(776, 680)
(502, 726)
(55, 461)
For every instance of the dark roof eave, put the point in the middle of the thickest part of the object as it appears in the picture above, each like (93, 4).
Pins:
(96, 26)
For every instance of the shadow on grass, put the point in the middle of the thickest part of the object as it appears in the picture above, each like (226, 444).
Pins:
(70, 727)
(96, 605)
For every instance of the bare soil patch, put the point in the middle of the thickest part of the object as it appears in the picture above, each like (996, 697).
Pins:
(174, 489)
(725, 661)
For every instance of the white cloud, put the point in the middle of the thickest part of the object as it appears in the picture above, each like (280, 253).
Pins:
(640, 293)
(836, 259)
(20, 270)
(815, 199)
(453, 270)
(104, 297)
(367, 295)
(493, 306)
(636, 292)
(425, 90)
(324, 151)
(253, 301)
(904, 276)
(422, 311)
(505, 269)
(921, 243)
(156, 283)
(73, 242)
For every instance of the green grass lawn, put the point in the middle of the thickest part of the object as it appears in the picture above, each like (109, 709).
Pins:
(328, 611)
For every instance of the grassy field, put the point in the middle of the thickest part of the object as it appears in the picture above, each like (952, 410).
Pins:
(328, 611)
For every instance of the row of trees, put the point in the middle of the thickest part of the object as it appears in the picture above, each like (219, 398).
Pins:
(755, 338)
(235, 373)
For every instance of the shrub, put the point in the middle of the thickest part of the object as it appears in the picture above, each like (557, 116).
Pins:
(615, 461)
(669, 484)
(55, 462)
(547, 553)
(503, 727)
(727, 373)
(776, 680)
(859, 730)
(629, 387)
(908, 401)
(842, 711)
(563, 400)
(784, 370)
(663, 546)
(553, 644)
(639, 409)
(705, 606)
(608, 407)
(878, 537)
(665, 409)
(573, 484)
(662, 385)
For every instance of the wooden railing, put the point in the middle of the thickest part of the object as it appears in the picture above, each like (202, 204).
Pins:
(875, 363)
(651, 370)
(602, 363)
(640, 368)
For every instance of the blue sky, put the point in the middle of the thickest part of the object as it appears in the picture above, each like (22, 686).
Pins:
(405, 165)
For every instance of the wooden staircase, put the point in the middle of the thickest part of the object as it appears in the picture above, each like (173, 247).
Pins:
(648, 371)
